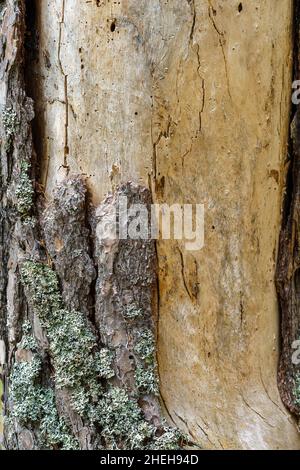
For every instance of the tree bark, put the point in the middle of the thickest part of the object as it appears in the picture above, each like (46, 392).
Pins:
(173, 102)
(75, 377)
(287, 275)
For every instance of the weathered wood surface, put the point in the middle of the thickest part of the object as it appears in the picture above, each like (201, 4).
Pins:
(288, 274)
(191, 98)
(63, 387)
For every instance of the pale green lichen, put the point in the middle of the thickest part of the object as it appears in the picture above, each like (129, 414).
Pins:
(145, 345)
(146, 376)
(168, 440)
(131, 312)
(28, 341)
(34, 404)
(81, 369)
(24, 191)
(118, 413)
(146, 380)
(104, 359)
(125, 427)
(72, 341)
(10, 124)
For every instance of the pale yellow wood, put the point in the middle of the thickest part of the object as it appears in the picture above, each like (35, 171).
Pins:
(193, 96)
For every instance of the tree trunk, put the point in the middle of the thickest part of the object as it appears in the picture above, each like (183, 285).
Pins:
(169, 102)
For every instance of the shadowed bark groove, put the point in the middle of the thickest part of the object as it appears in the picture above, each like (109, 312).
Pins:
(288, 273)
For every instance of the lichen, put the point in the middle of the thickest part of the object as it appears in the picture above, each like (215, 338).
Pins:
(146, 380)
(124, 426)
(24, 191)
(71, 339)
(132, 312)
(145, 345)
(103, 363)
(146, 376)
(10, 124)
(81, 369)
(35, 404)
(118, 413)
(170, 439)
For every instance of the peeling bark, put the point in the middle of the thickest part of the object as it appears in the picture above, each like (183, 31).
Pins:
(126, 298)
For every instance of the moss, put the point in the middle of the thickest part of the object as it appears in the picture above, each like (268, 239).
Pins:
(24, 191)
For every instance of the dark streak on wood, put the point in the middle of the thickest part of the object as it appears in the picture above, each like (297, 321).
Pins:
(288, 265)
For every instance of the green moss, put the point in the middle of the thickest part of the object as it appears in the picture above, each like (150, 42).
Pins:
(24, 191)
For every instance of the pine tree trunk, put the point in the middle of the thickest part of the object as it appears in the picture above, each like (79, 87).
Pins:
(170, 102)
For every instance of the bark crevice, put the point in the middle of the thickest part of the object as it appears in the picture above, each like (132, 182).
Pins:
(288, 264)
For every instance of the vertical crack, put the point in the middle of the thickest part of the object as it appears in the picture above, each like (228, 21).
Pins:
(194, 15)
(202, 81)
(65, 77)
(183, 274)
(221, 39)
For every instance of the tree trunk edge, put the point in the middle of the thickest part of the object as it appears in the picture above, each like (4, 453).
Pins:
(288, 262)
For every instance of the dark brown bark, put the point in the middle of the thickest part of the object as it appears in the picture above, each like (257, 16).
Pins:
(288, 273)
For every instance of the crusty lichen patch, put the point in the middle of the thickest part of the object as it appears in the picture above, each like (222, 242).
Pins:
(34, 404)
(84, 371)
(10, 125)
(24, 191)
(71, 339)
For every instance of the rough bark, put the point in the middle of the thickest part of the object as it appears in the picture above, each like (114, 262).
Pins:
(65, 376)
(190, 99)
(288, 273)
